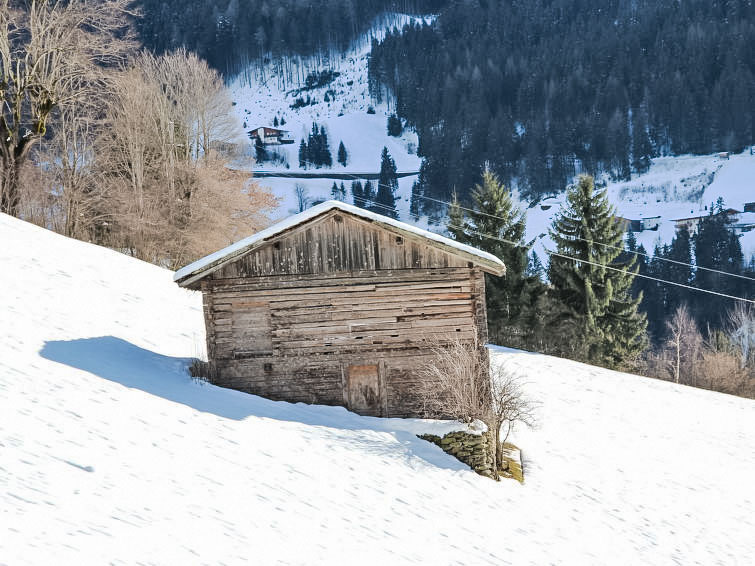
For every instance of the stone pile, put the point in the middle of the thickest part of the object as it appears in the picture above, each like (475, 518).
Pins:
(475, 450)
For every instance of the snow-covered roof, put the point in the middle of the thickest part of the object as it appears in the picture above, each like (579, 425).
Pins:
(206, 265)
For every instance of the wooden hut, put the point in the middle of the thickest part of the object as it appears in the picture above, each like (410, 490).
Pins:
(338, 306)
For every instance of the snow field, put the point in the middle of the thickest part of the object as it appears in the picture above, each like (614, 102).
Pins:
(674, 187)
(265, 92)
(109, 452)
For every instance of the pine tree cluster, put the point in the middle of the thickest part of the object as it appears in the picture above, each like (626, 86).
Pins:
(315, 152)
(713, 245)
(587, 311)
(229, 34)
(569, 88)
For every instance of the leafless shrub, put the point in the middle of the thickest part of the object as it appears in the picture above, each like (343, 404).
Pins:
(458, 383)
(720, 371)
(454, 383)
(509, 405)
(722, 362)
(741, 332)
(684, 342)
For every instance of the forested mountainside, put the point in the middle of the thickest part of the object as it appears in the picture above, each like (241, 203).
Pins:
(543, 89)
(229, 34)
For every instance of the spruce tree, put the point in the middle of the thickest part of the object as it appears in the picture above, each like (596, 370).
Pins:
(679, 251)
(653, 297)
(357, 194)
(335, 191)
(494, 224)
(342, 155)
(609, 329)
(368, 194)
(414, 203)
(260, 154)
(717, 247)
(394, 126)
(303, 154)
(385, 199)
(535, 266)
(327, 158)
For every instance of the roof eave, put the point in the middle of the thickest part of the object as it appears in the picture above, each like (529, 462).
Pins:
(496, 268)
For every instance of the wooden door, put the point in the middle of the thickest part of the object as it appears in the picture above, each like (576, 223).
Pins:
(363, 389)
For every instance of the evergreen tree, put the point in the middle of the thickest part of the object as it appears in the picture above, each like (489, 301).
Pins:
(717, 247)
(394, 126)
(414, 203)
(494, 224)
(303, 154)
(357, 194)
(654, 295)
(260, 154)
(535, 267)
(385, 200)
(327, 158)
(275, 122)
(342, 155)
(610, 330)
(368, 194)
(678, 270)
(335, 191)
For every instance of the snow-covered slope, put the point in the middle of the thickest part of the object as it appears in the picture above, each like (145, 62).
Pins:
(674, 187)
(109, 453)
(269, 90)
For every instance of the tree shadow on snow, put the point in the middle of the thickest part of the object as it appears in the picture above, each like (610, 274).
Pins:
(122, 362)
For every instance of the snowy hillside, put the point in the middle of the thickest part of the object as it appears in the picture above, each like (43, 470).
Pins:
(674, 187)
(109, 453)
(270, 90)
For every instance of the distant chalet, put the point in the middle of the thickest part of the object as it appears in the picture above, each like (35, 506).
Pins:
(338, 306)
(270, 136)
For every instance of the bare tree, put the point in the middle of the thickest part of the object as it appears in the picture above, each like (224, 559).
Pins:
(741, 332)
(459, 383)
(302, 198)
(509, 406)
(684, 341)
(171, 193)
(51, 54)
(70, 163)
(454, 382)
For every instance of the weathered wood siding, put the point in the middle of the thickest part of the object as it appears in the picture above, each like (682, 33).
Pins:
(339, 312)
(338, 243)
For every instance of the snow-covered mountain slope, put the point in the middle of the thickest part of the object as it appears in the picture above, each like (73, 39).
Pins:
(110, 453)
(270, 89)
(674, 187)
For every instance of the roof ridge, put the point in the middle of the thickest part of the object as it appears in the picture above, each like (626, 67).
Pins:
(199, 268)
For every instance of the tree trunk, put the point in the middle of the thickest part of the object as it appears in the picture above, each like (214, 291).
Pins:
(10, 198)
(12, 159)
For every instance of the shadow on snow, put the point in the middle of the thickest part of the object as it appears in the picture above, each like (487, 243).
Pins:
(122, 362)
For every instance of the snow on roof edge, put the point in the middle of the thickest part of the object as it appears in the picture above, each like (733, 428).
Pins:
(239, 247)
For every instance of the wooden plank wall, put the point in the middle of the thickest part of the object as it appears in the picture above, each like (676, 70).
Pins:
(293, 337)
(338, 243)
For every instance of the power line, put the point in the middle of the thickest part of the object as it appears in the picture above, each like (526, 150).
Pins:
(612, 268)
(516, 244)
(608, 245)
(579, 260)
